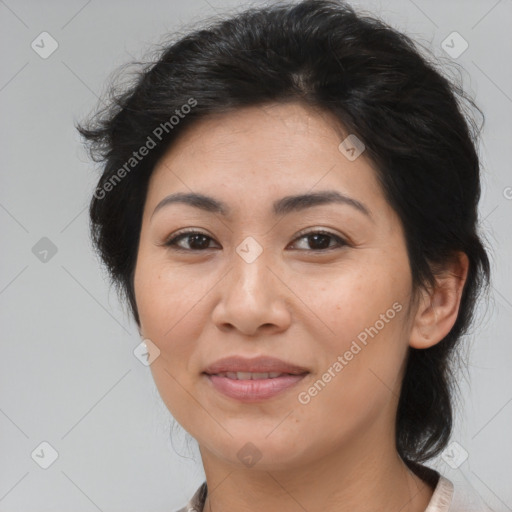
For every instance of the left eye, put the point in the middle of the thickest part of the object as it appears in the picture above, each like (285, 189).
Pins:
(321, 240)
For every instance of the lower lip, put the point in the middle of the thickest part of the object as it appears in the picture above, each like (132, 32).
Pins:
(254, 390)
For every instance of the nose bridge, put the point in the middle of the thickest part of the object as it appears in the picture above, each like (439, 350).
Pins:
(251, 274)
(251, 297)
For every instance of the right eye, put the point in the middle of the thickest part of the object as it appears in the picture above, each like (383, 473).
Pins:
(196, 240)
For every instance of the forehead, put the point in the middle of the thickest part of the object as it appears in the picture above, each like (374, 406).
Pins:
(273, 128)
(263, 151)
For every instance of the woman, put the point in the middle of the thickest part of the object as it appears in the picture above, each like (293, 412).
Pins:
(289, 206)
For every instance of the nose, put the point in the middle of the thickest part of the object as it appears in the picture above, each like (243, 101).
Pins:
(253, 300)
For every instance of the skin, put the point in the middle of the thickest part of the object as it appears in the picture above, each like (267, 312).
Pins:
(337, 452)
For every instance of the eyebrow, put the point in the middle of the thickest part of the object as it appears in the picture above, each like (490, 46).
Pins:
(282, 206)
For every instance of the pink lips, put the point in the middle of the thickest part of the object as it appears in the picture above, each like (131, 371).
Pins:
(261, 364)
(253, 390)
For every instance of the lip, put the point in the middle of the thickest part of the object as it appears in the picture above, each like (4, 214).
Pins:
(253, 390)
(261, 364)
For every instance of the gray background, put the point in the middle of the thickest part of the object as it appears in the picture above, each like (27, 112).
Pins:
(68, 375)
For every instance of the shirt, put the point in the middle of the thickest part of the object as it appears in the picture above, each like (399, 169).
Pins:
(446, 498)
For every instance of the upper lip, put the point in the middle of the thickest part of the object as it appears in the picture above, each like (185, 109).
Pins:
(261, 364)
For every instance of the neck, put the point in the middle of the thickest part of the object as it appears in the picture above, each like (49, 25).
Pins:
(349, 479)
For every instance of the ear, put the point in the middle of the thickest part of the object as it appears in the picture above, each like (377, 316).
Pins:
(438, 308)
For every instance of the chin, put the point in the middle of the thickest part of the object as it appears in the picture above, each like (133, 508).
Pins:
(254, 450)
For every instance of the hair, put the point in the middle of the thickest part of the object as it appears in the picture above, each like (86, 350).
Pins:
(374, 80)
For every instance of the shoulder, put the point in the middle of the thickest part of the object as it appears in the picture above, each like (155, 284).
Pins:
(441, 500)
(452, 495)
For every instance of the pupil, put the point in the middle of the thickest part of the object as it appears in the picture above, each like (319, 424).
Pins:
(203, 245)
(324, 238)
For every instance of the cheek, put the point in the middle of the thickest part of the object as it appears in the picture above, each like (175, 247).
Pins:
(171, 307)
(167, 301)
(355, 300)
(364, 343)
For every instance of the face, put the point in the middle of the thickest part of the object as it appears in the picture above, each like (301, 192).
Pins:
(322, 284)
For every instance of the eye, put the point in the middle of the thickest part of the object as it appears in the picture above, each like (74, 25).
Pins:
(196, 240)
(321, 240)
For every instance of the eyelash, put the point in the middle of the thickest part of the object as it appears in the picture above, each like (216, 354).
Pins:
(172, 242)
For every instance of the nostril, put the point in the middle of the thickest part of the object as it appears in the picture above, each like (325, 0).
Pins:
(226, 327)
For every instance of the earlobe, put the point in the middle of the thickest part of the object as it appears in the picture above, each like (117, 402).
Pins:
(438, 307)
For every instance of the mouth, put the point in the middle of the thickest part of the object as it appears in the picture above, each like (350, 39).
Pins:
(252, 375)
(253, 379)
(253, 386)
(255, 366)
